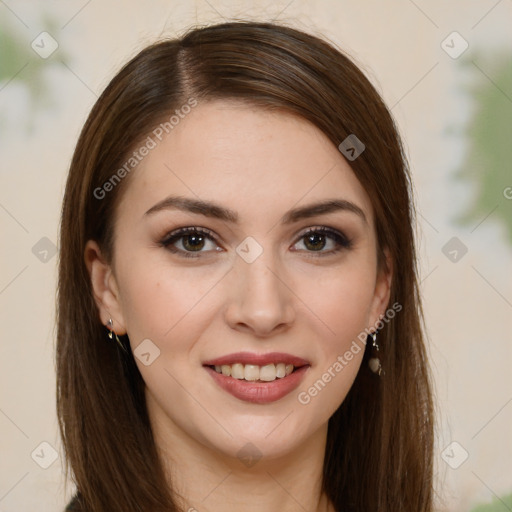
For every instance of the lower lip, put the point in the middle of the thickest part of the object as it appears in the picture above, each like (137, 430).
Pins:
(259, 392)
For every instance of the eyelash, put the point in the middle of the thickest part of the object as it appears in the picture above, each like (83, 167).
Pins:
(340, 239)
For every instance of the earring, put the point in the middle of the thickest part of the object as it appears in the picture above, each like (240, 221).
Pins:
(374, 362)
(111, 334)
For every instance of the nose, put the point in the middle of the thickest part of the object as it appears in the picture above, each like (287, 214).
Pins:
(261, 300)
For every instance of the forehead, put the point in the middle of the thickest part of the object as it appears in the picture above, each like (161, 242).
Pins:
(246, 158)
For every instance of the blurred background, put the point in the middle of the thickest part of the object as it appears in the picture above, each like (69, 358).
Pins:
(445, 71)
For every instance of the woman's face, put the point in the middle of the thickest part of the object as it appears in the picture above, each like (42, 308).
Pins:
(248, 288)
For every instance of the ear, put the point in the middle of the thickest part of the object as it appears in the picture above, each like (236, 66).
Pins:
(382, 290)
(104, 286)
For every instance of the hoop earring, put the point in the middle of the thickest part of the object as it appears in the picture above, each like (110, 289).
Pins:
(111, 334)
(374, 361)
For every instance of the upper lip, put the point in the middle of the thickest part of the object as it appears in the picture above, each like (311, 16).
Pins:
(257, 359)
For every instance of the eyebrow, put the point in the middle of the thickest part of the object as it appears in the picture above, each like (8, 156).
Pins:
(210, 209)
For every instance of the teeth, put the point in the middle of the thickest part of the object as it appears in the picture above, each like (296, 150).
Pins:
(268, 373)
(237, 371)
(252, 372)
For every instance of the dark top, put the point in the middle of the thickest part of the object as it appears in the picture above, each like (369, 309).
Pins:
(73, 504)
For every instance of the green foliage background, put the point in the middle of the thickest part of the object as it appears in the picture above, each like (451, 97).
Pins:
(503, 504)
(488, 162)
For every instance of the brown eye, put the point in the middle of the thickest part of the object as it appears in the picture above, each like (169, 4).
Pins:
(315, 240)
(192, 240)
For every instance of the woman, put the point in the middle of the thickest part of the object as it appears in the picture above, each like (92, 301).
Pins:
(239, 324)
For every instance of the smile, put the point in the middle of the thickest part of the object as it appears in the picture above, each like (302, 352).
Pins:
(259, 379)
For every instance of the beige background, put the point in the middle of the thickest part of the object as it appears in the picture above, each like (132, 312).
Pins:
(398, 43)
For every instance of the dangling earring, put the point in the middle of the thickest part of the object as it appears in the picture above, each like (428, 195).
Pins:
(111, 334)
(374, 362)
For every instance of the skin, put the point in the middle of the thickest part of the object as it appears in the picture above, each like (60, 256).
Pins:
(290, 299)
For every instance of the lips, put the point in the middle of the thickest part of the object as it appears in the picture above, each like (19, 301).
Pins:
(260, 390)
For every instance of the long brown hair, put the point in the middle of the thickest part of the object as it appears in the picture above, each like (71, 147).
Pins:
(380, 440)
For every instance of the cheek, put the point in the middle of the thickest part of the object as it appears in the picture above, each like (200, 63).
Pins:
(341, 299)
(342, 303)
(163, 303)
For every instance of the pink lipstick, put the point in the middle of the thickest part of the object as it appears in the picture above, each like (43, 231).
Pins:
(257, 378)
